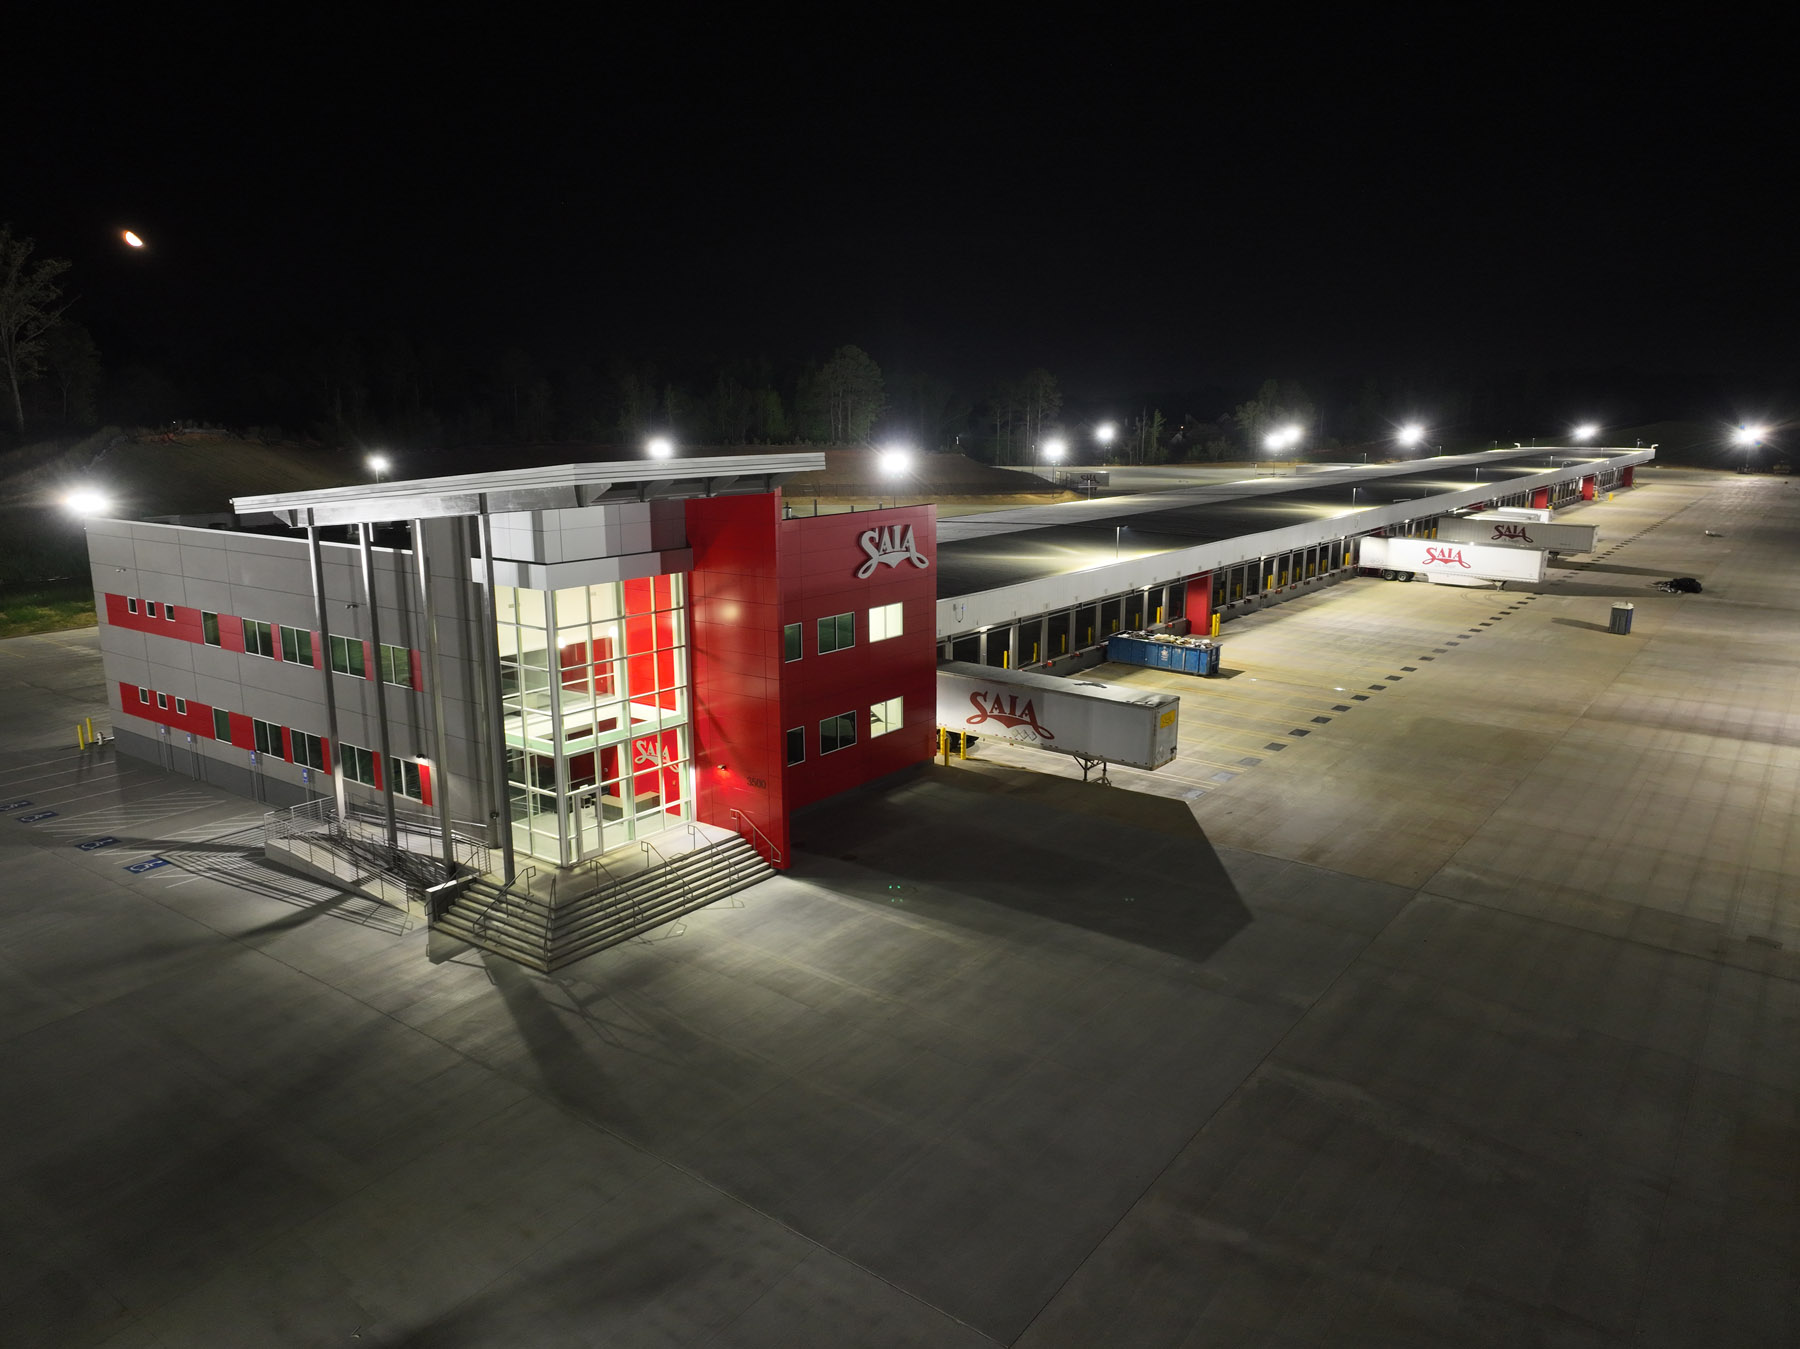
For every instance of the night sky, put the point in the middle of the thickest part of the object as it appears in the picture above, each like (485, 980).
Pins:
(1137, 209)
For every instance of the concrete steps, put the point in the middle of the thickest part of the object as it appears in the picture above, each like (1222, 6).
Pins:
(544, 933)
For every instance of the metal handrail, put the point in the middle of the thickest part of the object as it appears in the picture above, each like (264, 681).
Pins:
(774, 852)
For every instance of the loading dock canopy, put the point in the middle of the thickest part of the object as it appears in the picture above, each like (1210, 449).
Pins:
(562, 487)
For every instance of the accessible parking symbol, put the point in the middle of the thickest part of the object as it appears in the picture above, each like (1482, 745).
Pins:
(36, 816)
(148, 864)
(94, 843)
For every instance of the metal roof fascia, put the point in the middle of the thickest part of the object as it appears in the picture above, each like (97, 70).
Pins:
(1025, 599)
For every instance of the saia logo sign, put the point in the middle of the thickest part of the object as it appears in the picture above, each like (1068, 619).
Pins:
(1006, 709)
(1514, 532)
(888, 546)
(1446, 557)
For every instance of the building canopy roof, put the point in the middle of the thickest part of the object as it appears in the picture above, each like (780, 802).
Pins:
(533, 489)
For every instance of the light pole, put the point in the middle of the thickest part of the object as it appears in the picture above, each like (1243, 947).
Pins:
(1282, 438)
(378, 464)
(1410, 435)
(1053, 449)
(659, 447)
(1585, 432)
(1750, 438)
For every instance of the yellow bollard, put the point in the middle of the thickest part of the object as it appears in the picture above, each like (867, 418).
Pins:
(1034, 653)
(92, 738)
(965, 746)
(1006, 660)
(80, 742)
(1215, 625)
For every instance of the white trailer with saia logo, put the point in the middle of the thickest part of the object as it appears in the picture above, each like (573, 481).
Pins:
(1462, 564)
(1092, 721)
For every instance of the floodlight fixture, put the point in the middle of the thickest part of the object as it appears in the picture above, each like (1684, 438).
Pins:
(86, 501)
(1411, 434)
(1586, 431)
(1055, 448)
(1106, 433)
(659, 447)
(379, 464)
(893, 460)
(1749, 435)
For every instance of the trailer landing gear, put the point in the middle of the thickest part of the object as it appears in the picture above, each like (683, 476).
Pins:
(1087, 763)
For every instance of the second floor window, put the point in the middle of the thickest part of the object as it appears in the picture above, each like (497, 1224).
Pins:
(209, 628)
(296, 645)
(347, 656)
(259, 638)
(837, 632)
(359, 764)
(268, 737)
(396, 665)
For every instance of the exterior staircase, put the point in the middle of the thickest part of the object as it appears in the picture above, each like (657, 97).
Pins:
(546, 922)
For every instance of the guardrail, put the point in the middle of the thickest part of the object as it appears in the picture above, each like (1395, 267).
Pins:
(774, 853)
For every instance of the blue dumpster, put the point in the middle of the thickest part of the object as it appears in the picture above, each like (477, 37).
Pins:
(1187, 655)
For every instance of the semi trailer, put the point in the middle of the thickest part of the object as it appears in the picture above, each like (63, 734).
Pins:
(1447, 563)
(1092, 721)
(1505, 532)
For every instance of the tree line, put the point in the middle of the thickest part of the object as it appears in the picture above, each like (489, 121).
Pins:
(395, 390)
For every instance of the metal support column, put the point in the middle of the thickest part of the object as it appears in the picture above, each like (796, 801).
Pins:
(386, 768)
(435, 677)
(502, 808)
(323, 656)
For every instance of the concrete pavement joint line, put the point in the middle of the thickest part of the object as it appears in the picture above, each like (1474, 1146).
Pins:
(546, 1099)
(1249, 1077)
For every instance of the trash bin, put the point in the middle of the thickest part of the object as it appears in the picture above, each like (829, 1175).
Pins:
(1621, 618)
(1209, 657)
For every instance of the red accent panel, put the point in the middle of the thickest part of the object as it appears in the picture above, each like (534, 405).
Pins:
(231, 633)
(1540, 498)
(197, 719)
(318, 650)
(287, 744)
(735, 618)
(1625, 478)
(370, 669)
(424, 784)
(186, 626)
(1587, 489)
(243, 734)
(380, 768)
(418, 672)
(325, 753)
(1198, 606)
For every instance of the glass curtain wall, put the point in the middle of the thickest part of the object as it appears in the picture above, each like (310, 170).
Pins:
(594, 683)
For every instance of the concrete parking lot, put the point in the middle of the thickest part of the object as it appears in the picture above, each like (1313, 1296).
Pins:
(1466, 1017)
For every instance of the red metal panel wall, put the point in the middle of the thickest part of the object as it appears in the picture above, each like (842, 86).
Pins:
(821, 557)
(734, 615)
(197, 718)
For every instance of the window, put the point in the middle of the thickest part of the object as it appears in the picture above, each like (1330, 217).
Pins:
(149, 608)
(259, 640)
(162, 701)
(885, 717)
(790, 642)
(296, 645)
(130, 605)
(796, 744)
(143, 695)
(396, 665)
(347, 656)
(181, 706)
(836, 633)
(359, 764)
(209, 628)
(406, 777)
(837, 732)
(169, 612)
(268, 737)
(221, 724)
(308, 749)
(884, 622)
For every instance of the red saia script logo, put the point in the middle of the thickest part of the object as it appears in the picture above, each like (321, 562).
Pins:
(1006, 709)
(1446, 557)
(1514, 532)
(888, 546)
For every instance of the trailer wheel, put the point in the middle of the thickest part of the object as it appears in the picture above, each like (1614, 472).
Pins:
(1405, 575)
(1387, 574)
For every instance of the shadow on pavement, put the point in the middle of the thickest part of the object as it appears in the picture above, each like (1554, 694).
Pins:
(1134, 867)
(1582, 623)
